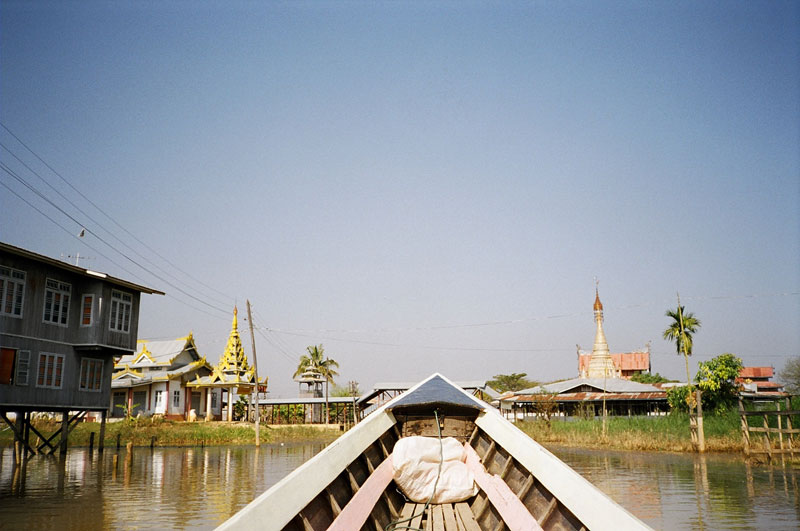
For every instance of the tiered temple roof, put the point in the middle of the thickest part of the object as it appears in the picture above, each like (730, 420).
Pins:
(233, 369)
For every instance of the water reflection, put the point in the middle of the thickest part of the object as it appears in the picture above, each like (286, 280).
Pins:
(198, 488)
(677, 491)
(177, 488)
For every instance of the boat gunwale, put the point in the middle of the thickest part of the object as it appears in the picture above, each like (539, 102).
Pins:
(280, 504)
(302, 485)
(581, 497)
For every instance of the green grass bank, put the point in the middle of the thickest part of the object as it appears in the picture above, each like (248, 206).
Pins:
(141, 432)
(669, 433)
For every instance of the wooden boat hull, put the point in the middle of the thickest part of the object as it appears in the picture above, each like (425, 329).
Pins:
(521, 484)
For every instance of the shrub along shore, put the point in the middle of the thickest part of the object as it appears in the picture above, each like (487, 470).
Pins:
(668, 433)
(141, 432)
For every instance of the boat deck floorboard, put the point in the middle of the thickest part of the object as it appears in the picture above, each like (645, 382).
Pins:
(440, 517)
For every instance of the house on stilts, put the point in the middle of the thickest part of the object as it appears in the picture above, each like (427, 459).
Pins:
(61, 327)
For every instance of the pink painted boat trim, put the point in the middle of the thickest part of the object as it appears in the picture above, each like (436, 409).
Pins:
(357, 510)
(513, 512)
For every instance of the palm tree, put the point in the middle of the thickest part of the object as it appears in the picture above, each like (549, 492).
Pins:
(316, 363)
(680, 330)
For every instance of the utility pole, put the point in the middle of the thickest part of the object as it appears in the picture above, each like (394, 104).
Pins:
(255, 374)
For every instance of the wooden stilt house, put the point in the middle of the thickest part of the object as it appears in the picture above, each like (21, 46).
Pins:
(61, 326)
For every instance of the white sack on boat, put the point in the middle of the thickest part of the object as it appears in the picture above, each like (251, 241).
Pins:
(415, 463)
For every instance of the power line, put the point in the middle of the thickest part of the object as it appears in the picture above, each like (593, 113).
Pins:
(90, 218)
(84, 225)
(90, 231)
(111, 260)
(427, 347)
(76, 190)
(299, 331)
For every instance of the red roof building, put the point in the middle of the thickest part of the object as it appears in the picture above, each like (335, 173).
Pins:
(755, 381)
(628, 363)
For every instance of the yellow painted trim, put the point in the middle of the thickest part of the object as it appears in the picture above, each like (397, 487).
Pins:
(128, 370)
(146, 353)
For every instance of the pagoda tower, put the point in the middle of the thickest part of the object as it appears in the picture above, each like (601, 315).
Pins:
(233, 363)
(601, 365)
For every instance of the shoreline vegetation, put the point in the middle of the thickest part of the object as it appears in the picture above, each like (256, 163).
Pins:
(668, 433)
(160, 432)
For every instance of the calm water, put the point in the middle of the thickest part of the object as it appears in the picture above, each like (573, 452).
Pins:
(163, 488)
(677, 491)
(198, 488)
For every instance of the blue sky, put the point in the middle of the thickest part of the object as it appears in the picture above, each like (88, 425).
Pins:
(383, 177)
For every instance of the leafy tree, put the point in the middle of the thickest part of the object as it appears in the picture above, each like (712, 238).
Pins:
(716, 378)
(790, 376)
(683, 326)
(240, 407)
(515, 381)
(544, 406)
(128, 411)
(647, 378)
(315, 362)
(677, 398)
(346, 391)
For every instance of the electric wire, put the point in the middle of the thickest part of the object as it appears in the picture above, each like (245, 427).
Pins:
(111, 260)
(33, 189)
(529, 319)
(427, 347)
(106, 214)
(97, 223)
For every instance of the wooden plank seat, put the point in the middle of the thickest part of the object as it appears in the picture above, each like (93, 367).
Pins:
(439, 517)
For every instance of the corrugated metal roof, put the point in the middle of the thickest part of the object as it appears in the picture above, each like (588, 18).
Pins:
(307, 400)
(610, 385)
(11, 249)
(583, 396)
(756, 372)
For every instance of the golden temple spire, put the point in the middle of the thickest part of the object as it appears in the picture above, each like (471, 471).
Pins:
(234, 360)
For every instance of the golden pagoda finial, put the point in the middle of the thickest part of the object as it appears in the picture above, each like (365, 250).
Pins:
(234, 360)
(598, 306)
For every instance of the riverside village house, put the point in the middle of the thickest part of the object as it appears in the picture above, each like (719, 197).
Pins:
(61, 327)
(152, 381)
